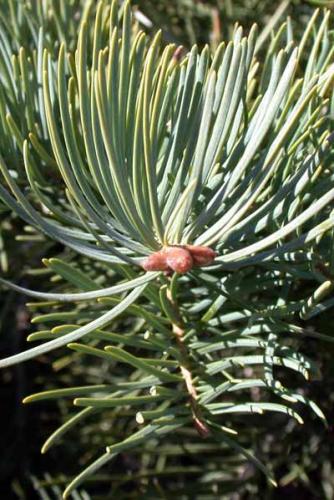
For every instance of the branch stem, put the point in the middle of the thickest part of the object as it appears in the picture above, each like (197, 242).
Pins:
(178, 332)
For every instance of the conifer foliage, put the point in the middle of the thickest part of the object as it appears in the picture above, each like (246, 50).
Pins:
(199, 189)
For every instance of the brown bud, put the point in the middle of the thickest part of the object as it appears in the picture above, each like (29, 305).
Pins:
(202, 256)
(179, 259)
(177, 56)
(156, 262)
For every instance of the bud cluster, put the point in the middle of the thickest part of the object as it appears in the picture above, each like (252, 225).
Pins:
(179, 258)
